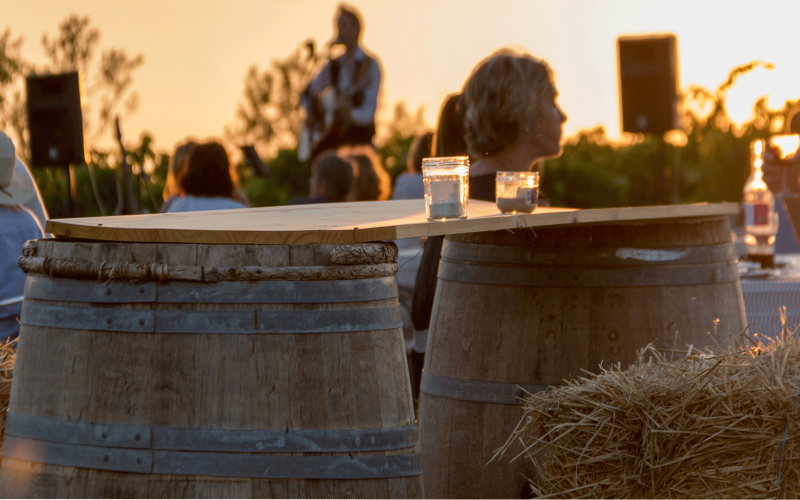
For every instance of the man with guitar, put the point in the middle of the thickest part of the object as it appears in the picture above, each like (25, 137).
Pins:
(342, 98)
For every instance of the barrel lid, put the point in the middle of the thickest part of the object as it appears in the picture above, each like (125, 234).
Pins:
(349, 222)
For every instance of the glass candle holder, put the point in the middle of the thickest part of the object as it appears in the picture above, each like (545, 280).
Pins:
(517, 191)
(446, 183)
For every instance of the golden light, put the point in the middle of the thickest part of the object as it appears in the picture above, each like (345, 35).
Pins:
(785, 145)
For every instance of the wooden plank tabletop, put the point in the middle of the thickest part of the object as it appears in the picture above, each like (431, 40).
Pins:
(348, 222)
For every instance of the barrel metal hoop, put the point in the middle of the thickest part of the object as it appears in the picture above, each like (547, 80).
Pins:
(476, 390)
(571, 256)
(212, 464)
(580, 277)
(211, 440)
(222, 292)
(108, 319)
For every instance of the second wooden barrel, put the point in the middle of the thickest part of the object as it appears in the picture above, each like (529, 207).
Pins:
(165, 370)
(533, 308)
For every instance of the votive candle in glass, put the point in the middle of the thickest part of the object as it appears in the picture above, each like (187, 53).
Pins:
(446, 183)
(517, 191)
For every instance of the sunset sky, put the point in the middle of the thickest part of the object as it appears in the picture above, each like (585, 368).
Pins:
(198, 51)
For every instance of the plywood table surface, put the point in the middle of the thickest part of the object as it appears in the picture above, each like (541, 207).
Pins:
(348, 222)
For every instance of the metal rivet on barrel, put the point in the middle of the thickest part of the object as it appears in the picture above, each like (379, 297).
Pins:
(141, 322)
(105, 458)
(109, 320)
(108, 291)
(141, 289)
(139, 460)
(137, 437)
(104, 435)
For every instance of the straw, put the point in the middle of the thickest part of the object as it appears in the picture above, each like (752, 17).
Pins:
(8, 353)
(718, 422)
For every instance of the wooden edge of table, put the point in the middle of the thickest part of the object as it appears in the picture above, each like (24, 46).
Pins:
(124, 229)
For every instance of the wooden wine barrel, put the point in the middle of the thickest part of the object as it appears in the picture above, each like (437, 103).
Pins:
(182, 370)
(532, 308)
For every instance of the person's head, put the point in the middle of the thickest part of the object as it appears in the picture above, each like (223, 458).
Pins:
(794, 124)
(420, 148)
(207, 171)
(449, 137)
(331, 177)
(371, 182)
(511, 97)
(15, 189)
(348, 25)
(174, 168)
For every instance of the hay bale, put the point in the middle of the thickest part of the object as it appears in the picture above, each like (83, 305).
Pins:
(721, 422)
(8, 353)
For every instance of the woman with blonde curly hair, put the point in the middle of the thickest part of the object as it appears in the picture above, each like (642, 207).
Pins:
(510, 118)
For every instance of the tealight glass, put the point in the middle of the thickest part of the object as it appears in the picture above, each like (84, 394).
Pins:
(517, 192)
(446, 181)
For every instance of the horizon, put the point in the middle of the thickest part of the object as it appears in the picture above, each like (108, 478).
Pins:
(196, 54)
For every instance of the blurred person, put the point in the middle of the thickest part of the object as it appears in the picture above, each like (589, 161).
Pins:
(17, 225)
(408, 185)
(207, 181)
(341, 100)
(176, 163)
(371, 182)
(331, 180)
(448, 138)
(508, 119)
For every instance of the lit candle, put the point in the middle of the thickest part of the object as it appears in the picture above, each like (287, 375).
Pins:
(517, 191)
(446, 183)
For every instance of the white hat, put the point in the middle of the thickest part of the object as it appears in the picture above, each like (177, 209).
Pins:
(15, 189)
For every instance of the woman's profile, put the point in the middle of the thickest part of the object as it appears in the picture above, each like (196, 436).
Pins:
(505, 119)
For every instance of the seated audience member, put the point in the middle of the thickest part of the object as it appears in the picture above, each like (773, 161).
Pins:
(176, 162)
(408, 185)
(331, 179)
(36, 203)
(17, 225)
(207, 181)
(371, 182)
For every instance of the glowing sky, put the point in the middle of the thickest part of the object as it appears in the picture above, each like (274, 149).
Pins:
(198, 51)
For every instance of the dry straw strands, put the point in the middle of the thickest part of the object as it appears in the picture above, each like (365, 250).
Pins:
(722, 422)
(8, 352)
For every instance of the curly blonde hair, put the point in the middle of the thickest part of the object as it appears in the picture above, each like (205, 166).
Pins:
(502, 98)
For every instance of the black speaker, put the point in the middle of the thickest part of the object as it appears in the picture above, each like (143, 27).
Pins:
(55, 121)
(648, 83)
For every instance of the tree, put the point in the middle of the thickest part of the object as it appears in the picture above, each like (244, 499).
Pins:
(12, 102)
(269, 114)
(106, 84)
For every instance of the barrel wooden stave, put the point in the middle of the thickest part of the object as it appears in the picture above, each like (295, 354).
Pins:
(353, 380)
(544, 335)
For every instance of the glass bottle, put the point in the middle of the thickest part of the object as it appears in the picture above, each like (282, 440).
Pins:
(760, 218)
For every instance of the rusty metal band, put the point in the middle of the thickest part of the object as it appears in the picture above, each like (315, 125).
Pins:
(476, 390)
(581, 277)
(212, 464)
(570, 256)
(211, 440)
(112, 319)
(223, 292)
